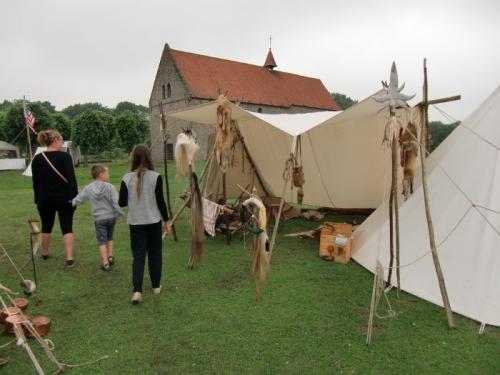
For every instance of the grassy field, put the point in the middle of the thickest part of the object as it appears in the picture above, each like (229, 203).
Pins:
(312, 318)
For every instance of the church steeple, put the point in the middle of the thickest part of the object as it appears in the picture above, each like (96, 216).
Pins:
(270, 63)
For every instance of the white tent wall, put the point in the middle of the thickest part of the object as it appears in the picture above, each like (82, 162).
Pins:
(345, 164)
(464, 169)
(9, 157)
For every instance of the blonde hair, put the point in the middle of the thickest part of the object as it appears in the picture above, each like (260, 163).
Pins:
(47, 137)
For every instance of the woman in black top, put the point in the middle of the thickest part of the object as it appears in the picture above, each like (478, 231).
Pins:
(54, 185)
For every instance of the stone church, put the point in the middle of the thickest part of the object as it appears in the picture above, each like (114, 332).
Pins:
(187, 79)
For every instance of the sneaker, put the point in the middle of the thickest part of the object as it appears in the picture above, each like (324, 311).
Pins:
(136, 298)
(70, 263)
(105, 267)
(111, 260)
(157, 290)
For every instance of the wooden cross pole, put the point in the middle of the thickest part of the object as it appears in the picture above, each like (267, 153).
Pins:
(167, 185)
(430, 226)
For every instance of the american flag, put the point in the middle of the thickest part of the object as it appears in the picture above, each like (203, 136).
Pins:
(29, 118)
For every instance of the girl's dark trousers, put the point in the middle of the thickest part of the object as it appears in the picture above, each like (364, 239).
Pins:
(146, 241)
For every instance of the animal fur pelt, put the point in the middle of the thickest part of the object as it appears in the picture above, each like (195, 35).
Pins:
(197, 227)
(391, 131)
(185, 149)
(223, 134)
(408, 143)
(260, 243)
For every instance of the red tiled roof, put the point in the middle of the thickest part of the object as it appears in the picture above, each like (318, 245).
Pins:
(248, 83)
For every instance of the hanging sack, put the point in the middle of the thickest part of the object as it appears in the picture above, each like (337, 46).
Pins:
(298, 176)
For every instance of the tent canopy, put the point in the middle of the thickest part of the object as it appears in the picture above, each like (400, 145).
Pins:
(463, 180)
(344, 162)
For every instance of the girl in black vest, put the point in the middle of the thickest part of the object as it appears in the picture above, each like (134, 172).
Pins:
(142, 191)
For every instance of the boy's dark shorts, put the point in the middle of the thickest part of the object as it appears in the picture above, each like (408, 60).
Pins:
(104, 230)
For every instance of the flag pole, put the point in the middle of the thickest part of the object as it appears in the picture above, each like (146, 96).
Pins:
(28, 136)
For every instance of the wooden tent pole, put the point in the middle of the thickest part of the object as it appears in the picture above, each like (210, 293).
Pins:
(432, 240)
(277, 222)
(396, 206)
(167, 185)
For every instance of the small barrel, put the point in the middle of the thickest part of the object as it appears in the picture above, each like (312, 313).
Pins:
(41, 324)
(22, 303)
(10, 321)
(9, 311)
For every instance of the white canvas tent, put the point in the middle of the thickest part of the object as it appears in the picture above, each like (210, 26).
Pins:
(343, 160)
(9, 157)
(464, 185)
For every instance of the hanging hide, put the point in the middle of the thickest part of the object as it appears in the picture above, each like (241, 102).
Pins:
(260, 243)
(408, 143)
(185, 149)
(197, 226)
(392, 129)
(223, 134)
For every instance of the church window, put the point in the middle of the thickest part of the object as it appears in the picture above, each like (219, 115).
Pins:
(163, 92)
(169, 90)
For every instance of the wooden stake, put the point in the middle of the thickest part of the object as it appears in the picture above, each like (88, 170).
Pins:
(391, 235)
(276, 224)
(167, 185)
(432, 240)
(395, 197)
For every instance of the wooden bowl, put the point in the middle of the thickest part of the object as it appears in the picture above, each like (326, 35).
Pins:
(22, 303)
(10, 321)
(13, 310)
(41, 324)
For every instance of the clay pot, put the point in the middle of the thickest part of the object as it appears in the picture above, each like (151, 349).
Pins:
(41, 324)
(14, 319)
(10, 311)
(22, 303)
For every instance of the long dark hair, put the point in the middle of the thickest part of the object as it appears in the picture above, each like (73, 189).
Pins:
(141, 161)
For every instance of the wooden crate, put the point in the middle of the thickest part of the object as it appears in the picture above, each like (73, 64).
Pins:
(328, 249)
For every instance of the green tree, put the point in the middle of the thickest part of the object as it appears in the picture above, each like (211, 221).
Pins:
(48, 106)
(91, 132)
(62, 124)
(75, 110)
(2, 125)
(439, 132)
(343, 101)
(123, 107)
(14, 125)
(132, 128)
(5, 105)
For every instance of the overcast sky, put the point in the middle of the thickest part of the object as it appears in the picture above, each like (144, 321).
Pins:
(107, 51)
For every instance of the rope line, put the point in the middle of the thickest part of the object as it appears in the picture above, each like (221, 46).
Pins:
(445, 114)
